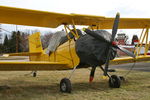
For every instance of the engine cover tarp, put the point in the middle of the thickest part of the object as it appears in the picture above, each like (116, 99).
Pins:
(92, 51)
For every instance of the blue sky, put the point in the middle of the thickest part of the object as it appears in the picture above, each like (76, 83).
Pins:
(127, 8)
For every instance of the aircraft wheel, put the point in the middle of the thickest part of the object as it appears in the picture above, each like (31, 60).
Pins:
(34, 74)
(114, 81)
(65, 85)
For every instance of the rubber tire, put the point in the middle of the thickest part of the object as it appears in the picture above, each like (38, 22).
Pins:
(114, 81)
(65, 85)
(34, 74)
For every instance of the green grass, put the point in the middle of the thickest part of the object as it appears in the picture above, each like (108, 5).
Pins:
(46, 86)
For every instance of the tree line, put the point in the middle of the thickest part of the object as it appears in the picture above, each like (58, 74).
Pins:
(17, 41)
(14, 43)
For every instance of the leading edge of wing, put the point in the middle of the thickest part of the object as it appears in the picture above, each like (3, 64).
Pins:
(21, 54)
(32, 65)
(19, 16)
(125, 60)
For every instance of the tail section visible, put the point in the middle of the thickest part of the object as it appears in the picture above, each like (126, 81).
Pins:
(35, 45)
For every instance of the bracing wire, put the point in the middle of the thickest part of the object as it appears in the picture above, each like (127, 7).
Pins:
(131, 68)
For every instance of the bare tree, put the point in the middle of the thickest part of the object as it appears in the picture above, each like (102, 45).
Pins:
(45, 39)
(24, 42)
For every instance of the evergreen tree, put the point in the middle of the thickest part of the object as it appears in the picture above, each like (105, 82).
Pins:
(13, 42)
(6, 41)
(1, 48)
(5, 47)
(18, 42)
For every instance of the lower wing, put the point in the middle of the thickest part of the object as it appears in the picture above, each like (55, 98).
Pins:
(30, 66)
(130, 60)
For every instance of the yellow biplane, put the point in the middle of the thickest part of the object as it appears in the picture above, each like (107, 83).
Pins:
(70, 49)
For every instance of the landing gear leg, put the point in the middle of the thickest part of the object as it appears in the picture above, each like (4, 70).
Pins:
(104, 71)
(114, 80)
(65, 83)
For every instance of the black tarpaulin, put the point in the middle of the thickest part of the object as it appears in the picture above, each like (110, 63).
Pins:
(92, 51)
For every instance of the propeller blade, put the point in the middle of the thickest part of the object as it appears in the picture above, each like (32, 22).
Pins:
(107, 61)
(115, 26)
(126, 51)
(92, 74)
(95, 35)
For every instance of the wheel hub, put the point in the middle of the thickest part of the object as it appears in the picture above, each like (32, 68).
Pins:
(63, 86)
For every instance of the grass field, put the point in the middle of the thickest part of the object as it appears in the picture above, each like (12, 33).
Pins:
(46, 86)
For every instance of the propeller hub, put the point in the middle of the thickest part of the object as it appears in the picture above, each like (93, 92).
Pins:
(114, 43)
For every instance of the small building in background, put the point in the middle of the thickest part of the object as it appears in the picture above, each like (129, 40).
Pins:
(122, 38)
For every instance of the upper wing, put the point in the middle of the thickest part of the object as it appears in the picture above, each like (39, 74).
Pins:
(30, 66)
(19, 16)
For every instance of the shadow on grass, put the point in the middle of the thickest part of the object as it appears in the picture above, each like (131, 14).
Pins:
(52, 88)
(32, 90)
